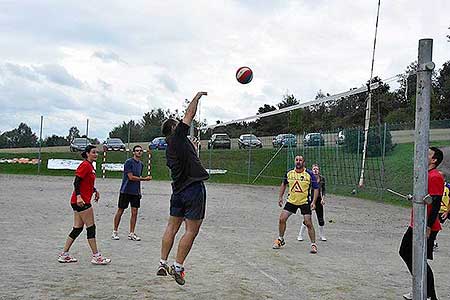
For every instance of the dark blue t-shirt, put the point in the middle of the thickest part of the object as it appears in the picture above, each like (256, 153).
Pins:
(131, 187)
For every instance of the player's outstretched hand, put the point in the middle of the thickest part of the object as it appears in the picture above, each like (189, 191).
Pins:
(200, 94)
(147, 178)
(445, 215)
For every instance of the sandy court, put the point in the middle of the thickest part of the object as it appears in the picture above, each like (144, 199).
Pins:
(231, 258)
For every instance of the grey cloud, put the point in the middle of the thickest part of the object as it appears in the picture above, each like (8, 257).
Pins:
(168, 82)
(108, 56)
(22, 71)
(58, 74)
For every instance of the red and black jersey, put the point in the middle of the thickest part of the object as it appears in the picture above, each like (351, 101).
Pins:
(86, 172)
(435, 188)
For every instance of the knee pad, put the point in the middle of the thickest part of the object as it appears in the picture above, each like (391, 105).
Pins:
(91, 232)
(75, 232)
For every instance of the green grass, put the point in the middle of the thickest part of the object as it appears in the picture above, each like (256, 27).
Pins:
(341, 169)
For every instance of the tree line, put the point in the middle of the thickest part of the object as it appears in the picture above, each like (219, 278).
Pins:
(390, 106)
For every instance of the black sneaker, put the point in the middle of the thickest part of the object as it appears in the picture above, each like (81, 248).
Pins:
(163, 270)
(177, 275)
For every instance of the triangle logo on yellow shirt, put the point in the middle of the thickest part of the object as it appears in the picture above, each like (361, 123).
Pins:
(296, 188)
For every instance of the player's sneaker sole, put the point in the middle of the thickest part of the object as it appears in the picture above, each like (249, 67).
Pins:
(178, 276)
(163, 270)
(65, 260)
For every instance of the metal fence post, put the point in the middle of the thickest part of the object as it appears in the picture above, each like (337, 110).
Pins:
(422, 130)
(40, 145)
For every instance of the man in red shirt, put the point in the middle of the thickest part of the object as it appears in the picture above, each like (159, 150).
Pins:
(435, 190)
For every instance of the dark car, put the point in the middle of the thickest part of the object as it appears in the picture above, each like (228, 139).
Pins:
(313, 139)
(113, 144)
(284, 140)
(219, 140)
(158, 143)
(249, 141)
(78, 144)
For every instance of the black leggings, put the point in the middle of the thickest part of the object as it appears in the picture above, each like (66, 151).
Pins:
(319, 212)
(406, 252)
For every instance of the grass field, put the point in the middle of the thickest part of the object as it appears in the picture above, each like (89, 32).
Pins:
(340, 168)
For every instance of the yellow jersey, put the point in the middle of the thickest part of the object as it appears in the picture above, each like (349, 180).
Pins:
(300, 184)
(445, 205)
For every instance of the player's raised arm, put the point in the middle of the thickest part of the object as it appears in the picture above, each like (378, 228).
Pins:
(192, 108)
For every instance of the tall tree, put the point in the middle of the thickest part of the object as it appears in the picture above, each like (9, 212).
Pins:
(55, 140)
(73, 133)
(22, 136)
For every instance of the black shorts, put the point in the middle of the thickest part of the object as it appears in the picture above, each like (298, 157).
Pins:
(78, 208)
(133, 200)
(305, 209)
(190, 203)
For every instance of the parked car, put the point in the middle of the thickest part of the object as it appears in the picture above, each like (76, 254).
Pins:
(341, 137)
(113, 144)
(158, 143)
(313, 139)
(284, 140)
(219, 140)
(249, 141)
(78, 144)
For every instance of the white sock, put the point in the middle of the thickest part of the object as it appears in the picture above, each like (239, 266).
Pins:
(178, 267)
(302, 230)
(163, 262)
(281, 238)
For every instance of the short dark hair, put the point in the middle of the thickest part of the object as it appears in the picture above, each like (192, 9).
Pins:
(87, 150)
(438, 155)
(167, 125)
(137, 146)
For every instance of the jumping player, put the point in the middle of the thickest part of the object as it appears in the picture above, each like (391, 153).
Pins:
(188, 201)
(435, 190)
(319, 205)
(300, 181)
(130, 192)
(83, 213)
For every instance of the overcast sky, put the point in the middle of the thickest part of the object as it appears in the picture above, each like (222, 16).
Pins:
(111, 61)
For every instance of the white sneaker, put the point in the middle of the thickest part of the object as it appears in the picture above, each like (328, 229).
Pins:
(98, 259)
(64, 257)
(115, 235)
(133, 237)
(323, 238)
(300, 238)
(408, 296)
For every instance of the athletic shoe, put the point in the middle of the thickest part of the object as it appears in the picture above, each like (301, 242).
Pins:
(115, 235)
(408, 296)
(98, 259)
(177, 275)
(313, 249)
(278, 243)
(133, 237)
(163, 270)
(66, 258)
(300, 238)
(323, 238)
(435, 247)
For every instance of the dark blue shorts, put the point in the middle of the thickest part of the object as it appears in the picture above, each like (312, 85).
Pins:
(190, 203)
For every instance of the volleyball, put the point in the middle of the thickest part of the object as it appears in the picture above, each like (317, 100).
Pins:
(244, 75)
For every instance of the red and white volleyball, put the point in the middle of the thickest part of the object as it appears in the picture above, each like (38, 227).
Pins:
(244, 75)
